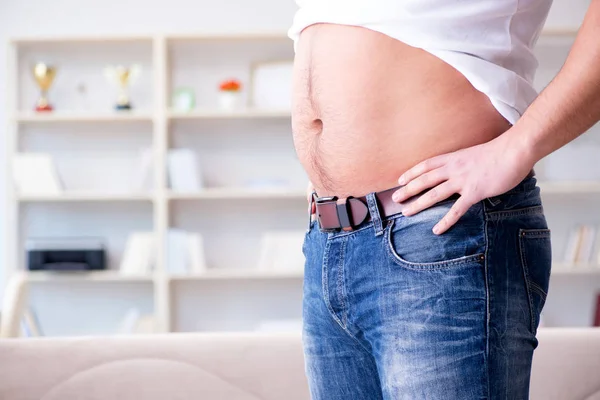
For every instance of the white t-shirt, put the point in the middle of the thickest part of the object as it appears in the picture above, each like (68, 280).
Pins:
(489, 41)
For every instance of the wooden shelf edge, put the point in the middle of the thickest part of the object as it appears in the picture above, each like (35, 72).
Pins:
(249, 113)
(239, 193)
(84, 276)
(575, 269)
(560, 32)
(83, 197)
(237, 274)
(56, 117)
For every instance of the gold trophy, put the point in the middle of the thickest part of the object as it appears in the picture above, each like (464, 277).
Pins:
(44, 76)
(123, 77)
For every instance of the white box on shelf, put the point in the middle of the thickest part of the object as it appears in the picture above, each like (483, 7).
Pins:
(183, 171)
(573, 245)
(588, 240)
(138, 257)
(36, 174)
(271, 85)
(143, 177)
(196, 258)
(129, 321)
(185, 252)
(177, 251)
(281, 250)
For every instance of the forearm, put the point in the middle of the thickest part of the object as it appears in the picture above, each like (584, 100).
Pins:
(570, 105)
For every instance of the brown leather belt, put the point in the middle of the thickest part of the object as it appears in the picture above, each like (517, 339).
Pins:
(349, 213)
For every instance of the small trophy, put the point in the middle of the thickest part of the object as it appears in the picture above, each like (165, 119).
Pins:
(123, 77)
(44, 76)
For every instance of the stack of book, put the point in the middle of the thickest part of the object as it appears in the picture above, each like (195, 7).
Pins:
(583, 246)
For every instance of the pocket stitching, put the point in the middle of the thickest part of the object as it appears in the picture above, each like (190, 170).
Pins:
(533, 210)
(457, 262)
(529, 284)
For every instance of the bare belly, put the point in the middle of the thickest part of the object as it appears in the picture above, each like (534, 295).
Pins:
(367, 107)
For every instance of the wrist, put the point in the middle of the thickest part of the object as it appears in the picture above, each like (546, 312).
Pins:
(519, 146)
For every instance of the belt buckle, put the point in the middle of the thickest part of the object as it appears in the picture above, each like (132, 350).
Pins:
(342, 210)
(325, 200)
(344, 217)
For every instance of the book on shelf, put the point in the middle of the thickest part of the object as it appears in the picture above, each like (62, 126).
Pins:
(588, 239)
(573, 244)
(138, 257)
(183, 171)
(281, 251)
(142, 181)
(597, 311)
(195, 250)
(30, 324)
(36, 174)
(185, 252)
(134, 322)
(177, 251)
(581, 244)
(597, 250)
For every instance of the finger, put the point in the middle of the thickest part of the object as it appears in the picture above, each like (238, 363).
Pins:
(418, 185)
(433, 196)
(421, 168)
(459, 208)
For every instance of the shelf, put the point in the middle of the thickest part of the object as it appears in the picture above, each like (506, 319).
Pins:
(241, 193)
(92, 197)
(219, 114)
(31, 117)
(569, 187)
(568, 32)
(577, 269)
(278, 35)
(80, 39)
(85, 276)
(233, 273)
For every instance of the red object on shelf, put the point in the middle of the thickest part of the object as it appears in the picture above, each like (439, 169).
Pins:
(44, 108)
(597, 312)
(232, 85)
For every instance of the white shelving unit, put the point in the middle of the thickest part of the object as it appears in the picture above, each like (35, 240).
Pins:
(236, 147)
(167, 62)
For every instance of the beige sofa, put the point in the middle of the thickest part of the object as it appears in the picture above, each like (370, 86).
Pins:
(233, 367)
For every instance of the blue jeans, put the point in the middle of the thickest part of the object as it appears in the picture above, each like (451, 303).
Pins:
(392, 311)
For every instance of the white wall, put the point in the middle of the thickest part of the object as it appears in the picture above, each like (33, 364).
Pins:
(22, 18)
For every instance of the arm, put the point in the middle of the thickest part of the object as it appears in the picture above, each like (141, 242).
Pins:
(568, 107)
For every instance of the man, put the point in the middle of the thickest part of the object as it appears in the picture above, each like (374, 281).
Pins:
(428, 254)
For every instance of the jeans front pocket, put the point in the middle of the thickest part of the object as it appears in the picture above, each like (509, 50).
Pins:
(536, 261)
(411, 243)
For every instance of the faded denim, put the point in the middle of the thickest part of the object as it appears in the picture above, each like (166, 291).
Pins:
(392, 311)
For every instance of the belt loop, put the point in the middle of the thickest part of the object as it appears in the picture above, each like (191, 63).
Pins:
(311, 204)
(374, 211)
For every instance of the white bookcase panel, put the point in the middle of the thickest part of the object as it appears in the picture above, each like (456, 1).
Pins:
(234, 305)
